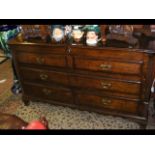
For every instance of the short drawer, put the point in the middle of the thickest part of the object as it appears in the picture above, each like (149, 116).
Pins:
(43, 75)
(100, 102)
(106, 84)
(110, 66)
(35, 48)
(48, 93)
(108, 53)
(41, 59)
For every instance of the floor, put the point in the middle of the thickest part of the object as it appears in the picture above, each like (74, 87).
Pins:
(58, 115)
(2, 57)
(6, 80)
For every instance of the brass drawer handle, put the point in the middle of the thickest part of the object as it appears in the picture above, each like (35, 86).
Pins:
(105, 85)
(105, 67)
(106, 101)
(46, 91)
(40, 60)
(43, 76)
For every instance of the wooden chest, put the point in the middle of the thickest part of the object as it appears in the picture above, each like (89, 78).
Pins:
(107, 80)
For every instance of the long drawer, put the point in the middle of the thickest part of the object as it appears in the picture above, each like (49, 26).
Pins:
(109, 66)
(48, 93)
(41, 59)
(106, 84)
(31, 74)
(102, 102)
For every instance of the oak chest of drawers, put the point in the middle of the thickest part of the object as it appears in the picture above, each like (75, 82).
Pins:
(106, 80)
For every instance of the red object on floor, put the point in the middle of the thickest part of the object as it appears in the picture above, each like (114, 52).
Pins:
(35, 125)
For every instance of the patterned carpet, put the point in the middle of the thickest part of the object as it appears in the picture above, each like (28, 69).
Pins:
(58, 117)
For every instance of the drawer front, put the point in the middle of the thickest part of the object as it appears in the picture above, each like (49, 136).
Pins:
(113, 53)
(48, 48)
(107, 103)
(41, 59)
(48, 93)
(106, 84)
(43, 75)
(108, 66)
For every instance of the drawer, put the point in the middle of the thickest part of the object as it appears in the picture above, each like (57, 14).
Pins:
(100, 102)
(48, 93)
(108, 53)
(41, 59)
(110, 66)
(43, 75)
(35, 48)
(132, 87)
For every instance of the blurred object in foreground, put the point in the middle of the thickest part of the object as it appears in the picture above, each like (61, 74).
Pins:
(41, 124)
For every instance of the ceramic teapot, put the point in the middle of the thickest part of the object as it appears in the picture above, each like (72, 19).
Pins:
(58, 34)
(92, 35)
(77, 33)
